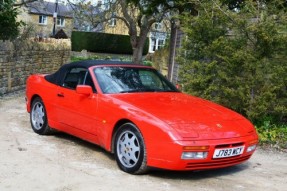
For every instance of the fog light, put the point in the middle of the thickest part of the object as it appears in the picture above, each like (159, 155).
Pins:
(194, 155)
(251, 148)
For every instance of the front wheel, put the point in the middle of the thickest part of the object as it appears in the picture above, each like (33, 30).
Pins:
(130, 151)
(38, 117)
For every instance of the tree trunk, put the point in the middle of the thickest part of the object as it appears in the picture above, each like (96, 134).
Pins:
(172, 47)
(137, 54)
(138, 47)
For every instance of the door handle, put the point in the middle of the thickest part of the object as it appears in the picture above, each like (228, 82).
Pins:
(60, 95)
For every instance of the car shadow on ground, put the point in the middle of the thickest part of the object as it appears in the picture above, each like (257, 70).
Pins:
(197, 175)
(157, 173)
(70, 139)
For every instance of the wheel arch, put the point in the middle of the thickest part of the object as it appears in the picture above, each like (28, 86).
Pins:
(115, 129)
(139, 160)
(31, 101)
(44, 129)
(33, 98)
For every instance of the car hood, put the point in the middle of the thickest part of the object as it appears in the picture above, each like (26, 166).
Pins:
(190, 116)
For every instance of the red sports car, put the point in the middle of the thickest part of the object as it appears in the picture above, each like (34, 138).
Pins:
(135, 113)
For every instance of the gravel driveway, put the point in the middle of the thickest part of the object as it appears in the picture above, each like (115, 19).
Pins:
(62, 163)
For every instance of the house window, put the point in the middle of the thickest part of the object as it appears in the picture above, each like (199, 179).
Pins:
(87, 28)
(113, 21)
(43, 19)
(153, 44)
(160, 44)
(60, 21)
(156, 44)
(158, 26)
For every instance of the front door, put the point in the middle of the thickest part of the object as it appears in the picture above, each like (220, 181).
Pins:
(77, 110)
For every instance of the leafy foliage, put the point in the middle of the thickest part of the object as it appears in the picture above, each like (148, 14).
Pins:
(138, 16)
(9, 26)
(272, 134)
(101, 57)
(237, 58)
(101, 42)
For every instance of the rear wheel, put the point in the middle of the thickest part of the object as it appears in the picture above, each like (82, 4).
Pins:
(130, 151)
(38, 117)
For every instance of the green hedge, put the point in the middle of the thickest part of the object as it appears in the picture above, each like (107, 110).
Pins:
(246, 71)
(103, 43)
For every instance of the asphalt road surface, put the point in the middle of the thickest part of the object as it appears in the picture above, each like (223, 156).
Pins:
(64, 163)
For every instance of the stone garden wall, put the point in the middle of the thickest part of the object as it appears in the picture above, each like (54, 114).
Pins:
(19, 59)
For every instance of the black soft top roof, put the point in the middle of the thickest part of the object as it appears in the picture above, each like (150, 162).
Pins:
(56, 78)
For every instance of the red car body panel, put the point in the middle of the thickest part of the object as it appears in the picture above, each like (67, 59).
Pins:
(168, 122)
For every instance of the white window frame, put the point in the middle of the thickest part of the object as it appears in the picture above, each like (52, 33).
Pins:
(61, 21)
(43, 19)
(113, 21)
(156, 44)
(87, 28)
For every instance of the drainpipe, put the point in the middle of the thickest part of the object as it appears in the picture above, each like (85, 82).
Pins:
(55, 18)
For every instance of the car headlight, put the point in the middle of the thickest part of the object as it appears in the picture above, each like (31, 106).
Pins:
(194, 155)
(251, 148)
(194, 152)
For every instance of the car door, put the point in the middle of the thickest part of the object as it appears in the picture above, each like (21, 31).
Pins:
(76, 110)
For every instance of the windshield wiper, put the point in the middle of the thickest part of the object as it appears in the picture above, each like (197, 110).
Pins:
(146, 90)
(130, 91)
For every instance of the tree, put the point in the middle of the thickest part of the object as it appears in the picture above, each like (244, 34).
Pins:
(237, 57)
(179, 7)
(87, 17)
(138, 16)
(9, 26)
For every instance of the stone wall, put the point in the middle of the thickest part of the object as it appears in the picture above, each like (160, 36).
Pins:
(19, 59)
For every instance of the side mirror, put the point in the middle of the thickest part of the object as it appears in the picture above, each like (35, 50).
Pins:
(178, 86)
(84, 90)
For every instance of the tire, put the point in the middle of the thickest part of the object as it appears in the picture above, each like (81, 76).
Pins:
(130, 151)
(38, 117)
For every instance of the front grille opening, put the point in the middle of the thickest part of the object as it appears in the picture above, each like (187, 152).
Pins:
(218, 163)
(229, 145)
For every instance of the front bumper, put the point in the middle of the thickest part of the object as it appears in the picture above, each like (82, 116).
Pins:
(168, 155)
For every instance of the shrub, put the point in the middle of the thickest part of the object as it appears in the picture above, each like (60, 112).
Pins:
(272, 134)
(237, 61)
(9, 26)
(103, 43)
(147, 63)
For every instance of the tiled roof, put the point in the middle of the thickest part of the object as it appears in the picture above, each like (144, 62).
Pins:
(48, 8)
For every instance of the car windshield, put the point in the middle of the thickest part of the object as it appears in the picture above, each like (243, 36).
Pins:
(115, 79)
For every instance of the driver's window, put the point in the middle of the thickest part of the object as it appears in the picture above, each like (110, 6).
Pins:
(78, 76)
(87, 80)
